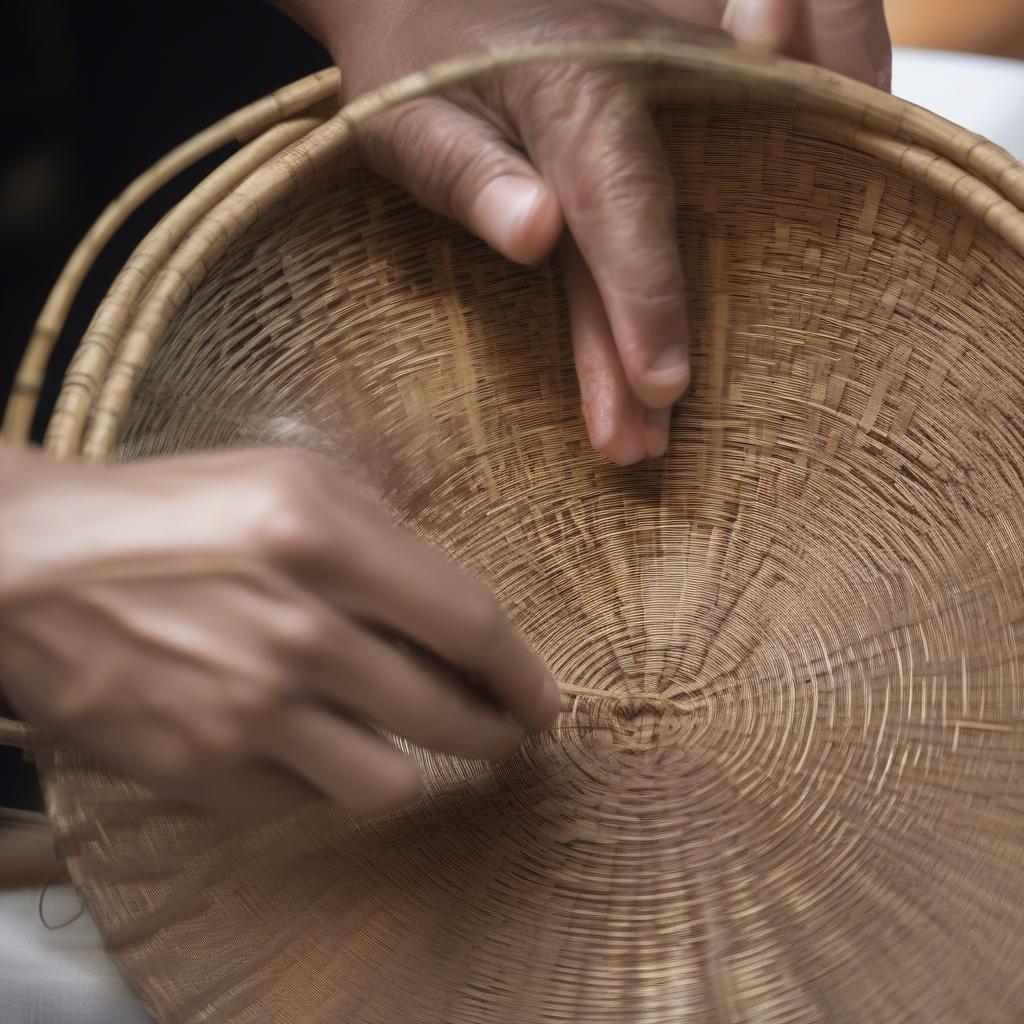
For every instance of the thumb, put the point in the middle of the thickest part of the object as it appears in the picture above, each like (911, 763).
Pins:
(762, 24)
(850, 37)
(462, 167)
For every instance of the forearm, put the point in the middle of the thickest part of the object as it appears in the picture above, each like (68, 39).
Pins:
(17, 463)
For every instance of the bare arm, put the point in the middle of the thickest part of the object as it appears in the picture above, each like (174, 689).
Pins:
(216, 627)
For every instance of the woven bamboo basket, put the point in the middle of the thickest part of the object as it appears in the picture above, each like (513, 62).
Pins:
(786, 785)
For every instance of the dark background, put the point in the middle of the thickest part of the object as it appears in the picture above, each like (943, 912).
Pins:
(94, 93)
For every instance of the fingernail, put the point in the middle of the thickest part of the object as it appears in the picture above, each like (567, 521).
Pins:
(664, 380)
(504, 206)
(753, 23)
(667, 377)
(672, 358)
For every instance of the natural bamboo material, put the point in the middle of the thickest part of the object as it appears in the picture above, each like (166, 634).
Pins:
(242, 125)
(786, 782)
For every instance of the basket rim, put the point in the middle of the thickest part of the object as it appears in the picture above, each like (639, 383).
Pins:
(98, 388)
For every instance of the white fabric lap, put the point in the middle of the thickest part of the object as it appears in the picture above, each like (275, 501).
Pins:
(59, 976)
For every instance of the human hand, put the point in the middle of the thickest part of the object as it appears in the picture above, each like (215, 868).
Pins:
(520, 158)
(848, 36)
(217, 626)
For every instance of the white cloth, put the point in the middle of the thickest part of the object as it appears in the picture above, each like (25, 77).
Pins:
(61, 976)
(984, 94)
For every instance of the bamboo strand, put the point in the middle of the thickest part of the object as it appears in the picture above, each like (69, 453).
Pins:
(240, 125)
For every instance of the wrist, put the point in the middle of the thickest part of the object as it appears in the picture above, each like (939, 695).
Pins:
(327, 21)
(358, 34)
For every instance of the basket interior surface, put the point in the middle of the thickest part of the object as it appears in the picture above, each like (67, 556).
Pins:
(786, 782)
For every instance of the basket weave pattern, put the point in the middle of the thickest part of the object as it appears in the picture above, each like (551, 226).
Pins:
(786, 782)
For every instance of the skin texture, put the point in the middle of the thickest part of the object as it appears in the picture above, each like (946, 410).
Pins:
(223, 627)
(236, 629)
(568, 157)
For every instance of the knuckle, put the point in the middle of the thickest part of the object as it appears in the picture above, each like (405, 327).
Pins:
(389, 142)
(561, 102)
(284, 518)
(445, 170)
(293, 513)
(305, 631)
(283, 531)
(219, 739)
(593, 22)
(621, 170)
(250, 702)
(655, 284)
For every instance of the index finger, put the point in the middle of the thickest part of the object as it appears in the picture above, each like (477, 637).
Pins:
(605, 161)
(399, 584)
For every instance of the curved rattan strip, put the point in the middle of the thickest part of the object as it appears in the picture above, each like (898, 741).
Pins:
(287, 101)
(15, 734)
(725, 73)
(183, 272)
(96, 348)
(992, 208)
(241, 125)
